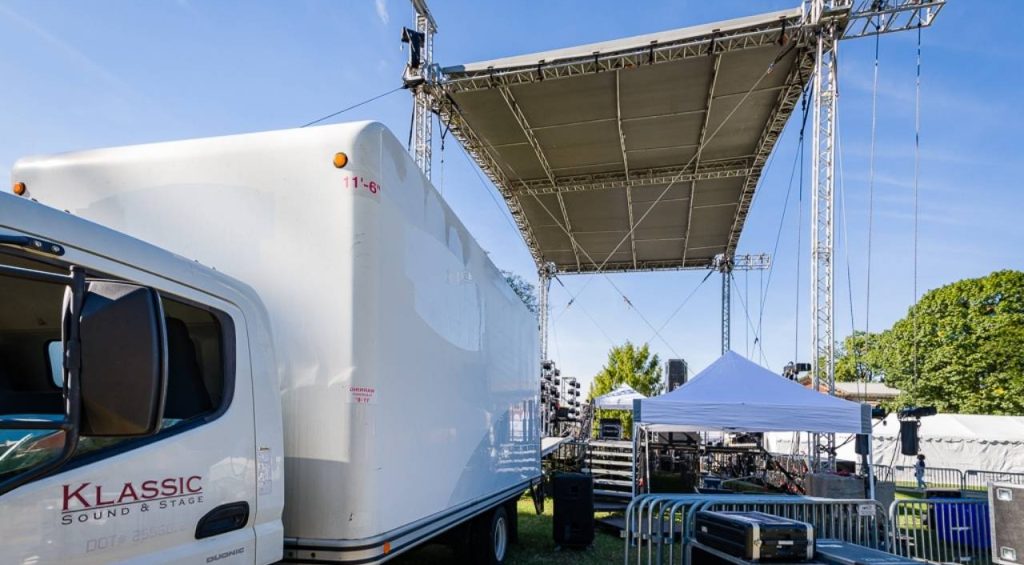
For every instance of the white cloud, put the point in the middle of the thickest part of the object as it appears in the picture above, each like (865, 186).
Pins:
(382, 11)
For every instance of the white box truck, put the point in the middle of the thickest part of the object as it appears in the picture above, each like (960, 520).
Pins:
(251, 348)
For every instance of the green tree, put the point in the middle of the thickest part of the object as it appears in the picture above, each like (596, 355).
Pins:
(631, 365)
(858, 358)
(960, 348)
(526, 291)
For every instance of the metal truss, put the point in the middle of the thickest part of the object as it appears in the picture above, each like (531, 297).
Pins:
(641, 267)
(724, 41)
(823, 143)
(544, 275)
(422, 128)
(483, 155)
(710, 170)
(875, 17)
(726, 265)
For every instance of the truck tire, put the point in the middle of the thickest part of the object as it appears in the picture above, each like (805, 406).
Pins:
(491, 536)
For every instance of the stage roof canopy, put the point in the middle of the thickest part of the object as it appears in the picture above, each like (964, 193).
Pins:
(583, 141)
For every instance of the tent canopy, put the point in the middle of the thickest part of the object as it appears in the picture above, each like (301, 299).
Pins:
(734, 394)
(619, 399)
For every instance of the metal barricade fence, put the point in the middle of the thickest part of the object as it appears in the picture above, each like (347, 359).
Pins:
(941, 530)
(979, 480)
(934, 477)
(660, 527)
(569, 456)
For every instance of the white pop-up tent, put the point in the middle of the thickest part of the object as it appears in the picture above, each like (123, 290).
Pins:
(734, 394)
(619, 399)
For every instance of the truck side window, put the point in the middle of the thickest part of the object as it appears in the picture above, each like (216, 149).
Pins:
(32, 380)
(195, 366)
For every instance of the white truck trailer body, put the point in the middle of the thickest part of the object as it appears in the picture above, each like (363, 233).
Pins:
(408, 368)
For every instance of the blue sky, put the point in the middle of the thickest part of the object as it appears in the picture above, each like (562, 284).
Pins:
(79, 75)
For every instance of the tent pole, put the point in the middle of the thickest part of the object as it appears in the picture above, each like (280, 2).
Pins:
(636, 431)
(871, 466)
(647, 460)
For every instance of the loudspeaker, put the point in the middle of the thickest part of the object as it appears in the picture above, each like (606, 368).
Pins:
(574, 509)
(1006, 507)
(908, 437)
(610, 428)
(863, 444)
(676, 373)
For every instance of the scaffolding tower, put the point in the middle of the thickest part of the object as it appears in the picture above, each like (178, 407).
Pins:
(831, 21)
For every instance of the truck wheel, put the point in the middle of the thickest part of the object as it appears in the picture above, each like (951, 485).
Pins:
(491, 537)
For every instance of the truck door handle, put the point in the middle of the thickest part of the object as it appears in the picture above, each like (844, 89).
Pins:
(222, 519)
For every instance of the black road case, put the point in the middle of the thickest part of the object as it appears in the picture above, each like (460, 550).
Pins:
(842, 553)
(756, 536)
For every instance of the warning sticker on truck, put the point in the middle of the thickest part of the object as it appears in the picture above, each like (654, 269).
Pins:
(362, 395)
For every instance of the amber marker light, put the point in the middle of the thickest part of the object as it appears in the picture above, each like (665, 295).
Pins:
(19, 188)
(340, 159)
(387, 544)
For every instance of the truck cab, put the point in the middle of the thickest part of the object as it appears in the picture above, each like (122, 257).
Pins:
(139, 418)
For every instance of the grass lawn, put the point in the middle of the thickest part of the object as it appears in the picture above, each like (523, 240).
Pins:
(536, 545)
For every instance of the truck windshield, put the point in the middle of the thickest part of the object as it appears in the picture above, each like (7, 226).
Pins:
(30, 320)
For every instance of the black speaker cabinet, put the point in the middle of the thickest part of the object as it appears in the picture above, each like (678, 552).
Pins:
(610, 428)
(863, 444)
(676, 373)
(908, 437)
(574, 509)
(1006, 506)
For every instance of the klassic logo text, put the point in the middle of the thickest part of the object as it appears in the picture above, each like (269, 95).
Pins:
(88, 495)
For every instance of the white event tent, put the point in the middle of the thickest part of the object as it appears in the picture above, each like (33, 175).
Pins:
(734, 394)
(957, 441)
(619, 399)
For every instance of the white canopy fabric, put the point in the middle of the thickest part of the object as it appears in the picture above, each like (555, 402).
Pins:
(735, 394)
(957, 441)
(619, 399)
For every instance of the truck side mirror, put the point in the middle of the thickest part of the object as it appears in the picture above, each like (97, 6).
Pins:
(123, 360)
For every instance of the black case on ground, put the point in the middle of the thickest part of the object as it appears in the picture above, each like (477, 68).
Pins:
(756, 536)
(573, 495)
(842, 553)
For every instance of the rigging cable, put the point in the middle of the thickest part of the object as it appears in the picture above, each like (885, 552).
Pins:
(799, 243)
(871, 198)
(685, 300)
(444, 133)
(917, 175)
(352, 107)
(871, 183)
(849, 270)
(797, 158)
(750, 322)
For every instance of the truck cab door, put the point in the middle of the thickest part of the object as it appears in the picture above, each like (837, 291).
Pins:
(186, 493)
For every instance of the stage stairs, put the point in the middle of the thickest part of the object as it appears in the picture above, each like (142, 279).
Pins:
(610, 463)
